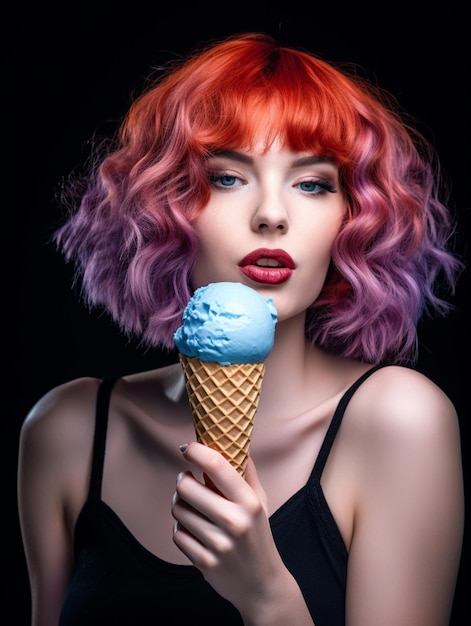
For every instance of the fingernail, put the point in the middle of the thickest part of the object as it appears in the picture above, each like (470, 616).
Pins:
(179, 477)
(183, 447)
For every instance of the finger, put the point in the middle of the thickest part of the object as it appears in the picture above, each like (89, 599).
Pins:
(192, 547)
(252, 479)
(202, 529)
(220, 472)
(197, 536)
(191, 495)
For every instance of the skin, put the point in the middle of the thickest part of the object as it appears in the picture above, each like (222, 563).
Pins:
(398, 447)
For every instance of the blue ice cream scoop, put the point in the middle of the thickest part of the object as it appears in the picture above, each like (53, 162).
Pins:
(227, 323)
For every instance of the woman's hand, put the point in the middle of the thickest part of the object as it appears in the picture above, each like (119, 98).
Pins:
(224, 530)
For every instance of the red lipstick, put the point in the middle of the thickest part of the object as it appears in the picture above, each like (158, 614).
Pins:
(267, 266)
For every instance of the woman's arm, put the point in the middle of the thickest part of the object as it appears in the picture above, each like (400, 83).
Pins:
(408, 528)
(54, 461)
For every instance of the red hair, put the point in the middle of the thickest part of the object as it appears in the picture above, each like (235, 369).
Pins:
(132, 236)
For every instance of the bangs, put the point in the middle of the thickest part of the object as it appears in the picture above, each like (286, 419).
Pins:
(286, 97)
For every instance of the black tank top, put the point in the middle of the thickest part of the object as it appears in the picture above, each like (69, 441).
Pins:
(117, 581)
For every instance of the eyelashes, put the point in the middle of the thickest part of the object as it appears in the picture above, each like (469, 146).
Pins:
(226, 181)
(316, 186)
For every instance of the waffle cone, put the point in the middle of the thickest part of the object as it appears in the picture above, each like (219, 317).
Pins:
(223, 401)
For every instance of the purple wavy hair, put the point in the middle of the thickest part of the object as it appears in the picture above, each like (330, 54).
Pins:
(130, 230)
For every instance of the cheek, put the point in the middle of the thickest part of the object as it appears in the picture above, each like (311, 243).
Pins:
(213, 229)
(323, 233)
(214, 241)
(318, 248)
(211, 224)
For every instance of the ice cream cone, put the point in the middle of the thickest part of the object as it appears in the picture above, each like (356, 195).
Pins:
(223, 401)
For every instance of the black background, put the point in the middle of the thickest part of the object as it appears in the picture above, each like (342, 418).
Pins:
(70, 71)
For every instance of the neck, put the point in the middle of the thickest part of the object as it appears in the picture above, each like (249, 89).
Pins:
(292, 369)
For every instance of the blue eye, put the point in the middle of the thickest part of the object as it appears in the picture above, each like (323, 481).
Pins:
(316, 187)
(224, 180)
(308, 185)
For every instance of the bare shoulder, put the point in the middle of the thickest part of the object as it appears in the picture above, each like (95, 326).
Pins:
(396, 391)
(62, 417)
(398, 403)
(65, 415)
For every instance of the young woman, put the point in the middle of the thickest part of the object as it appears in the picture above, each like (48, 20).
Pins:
(255, 163)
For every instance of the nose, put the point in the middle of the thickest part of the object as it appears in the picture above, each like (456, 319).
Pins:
(270, 214)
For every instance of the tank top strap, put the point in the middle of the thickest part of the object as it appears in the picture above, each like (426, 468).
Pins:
(99, 439)
(337, 420)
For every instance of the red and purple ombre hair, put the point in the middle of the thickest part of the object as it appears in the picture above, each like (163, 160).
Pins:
(132, 236)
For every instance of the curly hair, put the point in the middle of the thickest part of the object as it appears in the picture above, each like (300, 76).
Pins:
(130, 231)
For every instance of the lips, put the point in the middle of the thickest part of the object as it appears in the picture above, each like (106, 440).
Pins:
(267, 266)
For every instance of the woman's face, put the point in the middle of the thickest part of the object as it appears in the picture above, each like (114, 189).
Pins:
(270, 223)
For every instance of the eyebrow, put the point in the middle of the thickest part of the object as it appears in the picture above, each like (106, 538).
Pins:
(311, 159)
